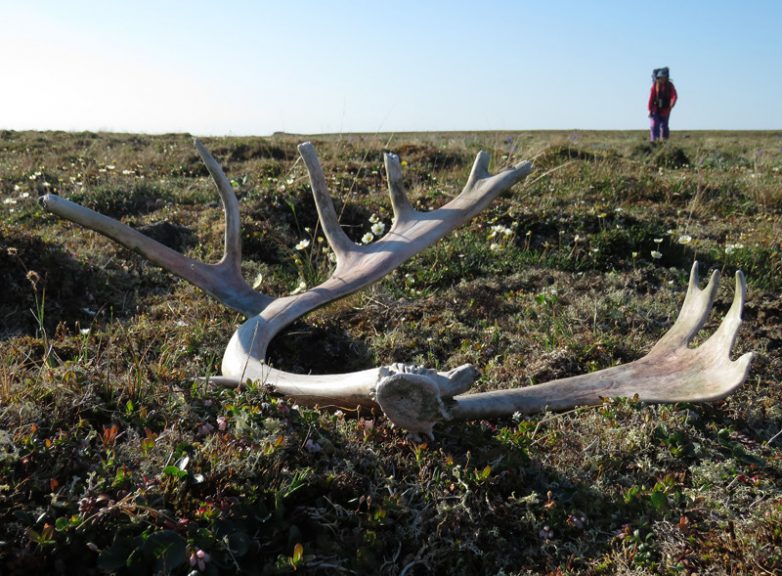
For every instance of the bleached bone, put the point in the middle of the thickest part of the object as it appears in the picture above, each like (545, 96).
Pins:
(357, 266)
(414, 397)
(670, 372)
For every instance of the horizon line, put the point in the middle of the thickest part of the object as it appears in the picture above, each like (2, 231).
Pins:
(280, 133)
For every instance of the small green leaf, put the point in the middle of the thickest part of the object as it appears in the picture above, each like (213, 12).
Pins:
(238, 543)
(298, 555)
(659, 500)
(174, 472)
(62, 523)
(168, 549)
(116, 557)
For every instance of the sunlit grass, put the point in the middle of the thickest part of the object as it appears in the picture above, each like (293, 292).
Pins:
(114, 455)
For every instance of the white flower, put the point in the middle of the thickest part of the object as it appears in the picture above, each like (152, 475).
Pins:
(656, 255)
(494, 247)
(658, 240)
(300, 288)
(685, 239)
(84, 331)
(374, 219)
(378, 228)
(303, 244)
(731, 248)
(24, 195)
(9, 201)
(367, 238)
(499, 229)
(258, 281)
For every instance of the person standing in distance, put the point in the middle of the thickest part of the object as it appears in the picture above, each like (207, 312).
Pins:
(662, 99)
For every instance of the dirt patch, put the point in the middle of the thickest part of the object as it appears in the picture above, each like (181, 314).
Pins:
(255, 150)
(437, 158)
(117, 200)
(305, 349)
(560, 153)
(765, 318)
(38, 275)
(671, 157)
(174, 236)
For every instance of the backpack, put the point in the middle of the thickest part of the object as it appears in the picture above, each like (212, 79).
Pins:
(663, 99)
(664, 71)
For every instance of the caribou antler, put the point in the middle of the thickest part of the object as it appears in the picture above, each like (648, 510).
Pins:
(670, 372)
(357, 266)
(414, 397)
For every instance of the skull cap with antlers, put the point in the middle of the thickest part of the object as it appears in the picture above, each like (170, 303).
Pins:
(413, 397)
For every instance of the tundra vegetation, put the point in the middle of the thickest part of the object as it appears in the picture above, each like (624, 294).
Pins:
(115, 458)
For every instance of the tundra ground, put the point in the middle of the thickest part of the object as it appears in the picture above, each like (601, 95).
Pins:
(114, 459)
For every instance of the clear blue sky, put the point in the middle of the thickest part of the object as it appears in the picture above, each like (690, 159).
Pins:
(242, 67)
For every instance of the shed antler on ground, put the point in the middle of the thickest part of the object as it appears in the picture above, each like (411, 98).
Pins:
(412, 397)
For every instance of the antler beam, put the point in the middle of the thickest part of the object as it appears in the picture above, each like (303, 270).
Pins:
(670, 372)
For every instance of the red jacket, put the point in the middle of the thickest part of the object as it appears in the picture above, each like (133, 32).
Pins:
(667, 95)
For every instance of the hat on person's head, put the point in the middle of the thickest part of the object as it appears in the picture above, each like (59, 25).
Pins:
(662, 73)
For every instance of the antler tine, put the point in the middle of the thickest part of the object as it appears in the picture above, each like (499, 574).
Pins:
(716, 350)
(335, 236)
(396, 190)
(725, 336)
(480, 167)
(693, 314)
(223, 280)
(482, 187)
(232, 251)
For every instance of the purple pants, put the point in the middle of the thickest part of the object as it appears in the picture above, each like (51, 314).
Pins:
(658, 127)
